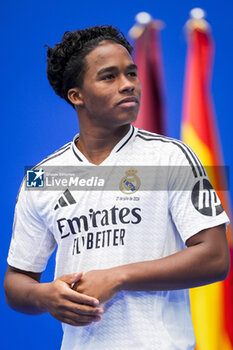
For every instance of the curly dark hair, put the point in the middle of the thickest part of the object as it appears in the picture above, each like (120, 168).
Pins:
(66, 60)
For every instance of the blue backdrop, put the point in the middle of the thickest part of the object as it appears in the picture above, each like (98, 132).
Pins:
(35, 122)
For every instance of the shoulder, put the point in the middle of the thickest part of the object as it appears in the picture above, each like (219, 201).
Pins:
(33, 175)
(162, 141)
(174, 150)
(57, 157)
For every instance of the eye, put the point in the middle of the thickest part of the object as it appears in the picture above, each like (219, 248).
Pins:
(108, 77)
(132, 74)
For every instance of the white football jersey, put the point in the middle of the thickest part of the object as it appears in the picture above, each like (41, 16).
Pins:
(160, 197)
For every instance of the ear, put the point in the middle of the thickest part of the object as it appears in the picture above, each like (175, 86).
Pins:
(75, 96)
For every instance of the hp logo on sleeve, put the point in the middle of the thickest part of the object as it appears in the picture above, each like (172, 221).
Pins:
(205, 199)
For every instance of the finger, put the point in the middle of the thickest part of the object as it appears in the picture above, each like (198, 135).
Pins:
(79, 319)
(72, 278)
(81, 309)
(74, 323)
(82, 298)
(85, 310)
(77, 277)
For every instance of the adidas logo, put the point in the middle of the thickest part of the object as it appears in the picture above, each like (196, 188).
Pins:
(65, 200)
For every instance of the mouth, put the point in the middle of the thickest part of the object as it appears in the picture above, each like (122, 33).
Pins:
(128, 102)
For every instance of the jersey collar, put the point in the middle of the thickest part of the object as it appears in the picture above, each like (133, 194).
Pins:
(119, 146)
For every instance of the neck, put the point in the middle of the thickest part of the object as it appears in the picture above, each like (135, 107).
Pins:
(97, 144)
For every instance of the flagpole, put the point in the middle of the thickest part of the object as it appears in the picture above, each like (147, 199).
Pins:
(197, 20)
(148, 58)
(211, 305)
(142, 20)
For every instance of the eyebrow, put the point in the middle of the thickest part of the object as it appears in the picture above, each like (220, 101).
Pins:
(114, 68)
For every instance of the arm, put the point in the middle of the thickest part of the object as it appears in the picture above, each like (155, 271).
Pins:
(26, 294)
(206, 260)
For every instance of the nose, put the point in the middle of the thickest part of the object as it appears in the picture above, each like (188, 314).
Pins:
(126, 85)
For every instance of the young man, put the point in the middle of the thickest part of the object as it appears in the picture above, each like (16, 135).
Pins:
(125, 257)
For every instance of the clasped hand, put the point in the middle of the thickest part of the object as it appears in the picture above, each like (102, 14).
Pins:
(74, 298)
(99, 284)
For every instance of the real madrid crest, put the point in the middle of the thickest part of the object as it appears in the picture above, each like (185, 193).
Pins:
(130, 183)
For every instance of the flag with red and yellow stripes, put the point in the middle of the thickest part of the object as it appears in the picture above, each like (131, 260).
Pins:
(212, 305)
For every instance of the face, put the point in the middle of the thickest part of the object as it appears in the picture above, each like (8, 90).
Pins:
(111, 91)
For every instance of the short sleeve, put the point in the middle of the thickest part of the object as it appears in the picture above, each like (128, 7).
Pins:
(32, 243)
(193, 203)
